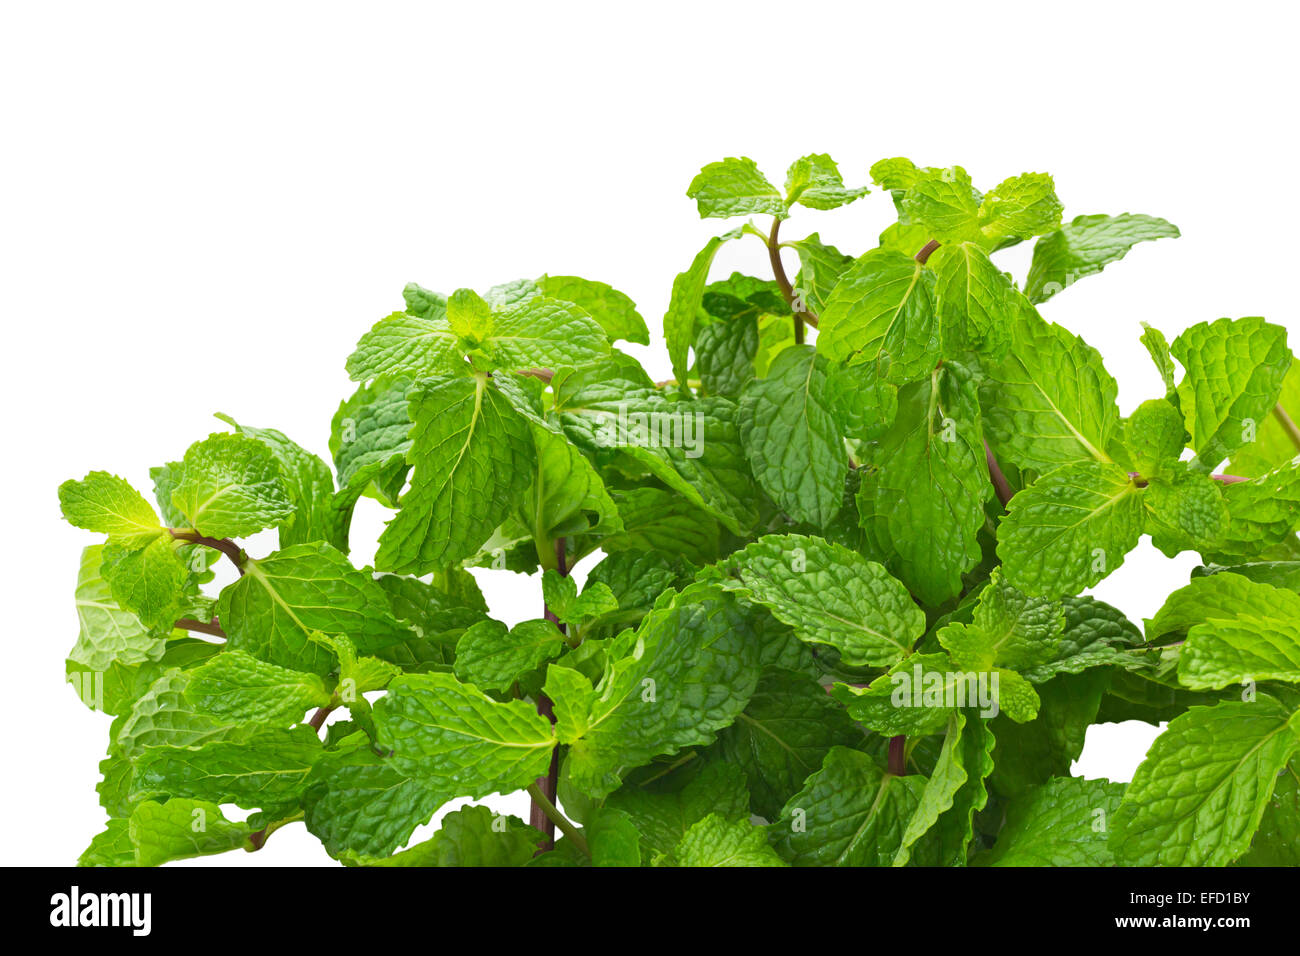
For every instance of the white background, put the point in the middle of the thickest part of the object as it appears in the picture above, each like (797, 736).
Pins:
(203, 207)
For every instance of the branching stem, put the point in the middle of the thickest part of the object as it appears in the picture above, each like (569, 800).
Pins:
(227, 547)
(783, 282)
(555, 818)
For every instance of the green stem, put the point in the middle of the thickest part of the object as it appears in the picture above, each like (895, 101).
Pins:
(546, 786)
(783, 282)
(1287, 424)
(558, 819)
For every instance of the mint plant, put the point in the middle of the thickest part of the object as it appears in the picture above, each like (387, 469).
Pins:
(833, 609)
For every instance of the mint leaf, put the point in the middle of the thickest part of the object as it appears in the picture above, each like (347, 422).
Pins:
(663, 818)
(684, 305)
(231, 486)
(108, 633)
(239, 687)
(181, 828)
(277, 609)
(791, 437)
(613, 311)
(470, 449)
(1070, 529)
(828, 594)
(1086, 245)
(849, 813)
(882, 310)
(1049, 401)
(815, 181)
(541, 332)
(1235, 369)
(1061, 823)
(975, 300)
(1199, 796)
(734, 187)
(925, 500)
(493, 656)
(405, 344)
(107, 503)
(715, 841)
(455, 741)
(148, 581)
(1021, 207)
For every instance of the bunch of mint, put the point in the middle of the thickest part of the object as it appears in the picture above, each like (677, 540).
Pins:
(832, 613)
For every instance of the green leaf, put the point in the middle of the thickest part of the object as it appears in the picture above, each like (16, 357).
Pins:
(310, 486)
(472, 836)
(494, 657)
(716, 841)
(164, 717)
(1070, 529)
(456, 742)
(1095, 634)
(613, 311)
(942, 788)
(231, 486)
(275, 610)
(1262, 513)
(1049, 401)
(783, 736)
(613, 838)
(423, 302)
(1158, 348)
(407, 345)
(541, 332)
(975, 300)
(1022, 206)
(148, 581)
(469, 316)
(238, 686)
(829, 595)
(369, 439)
(1272, 446)
(1238, 630)
(1154, 435)
(662, 819)
(849, 813)
(358, 802)
(929, 483)
(1234, 372)
(1031, 752)
(814, 181)
(1198, 797)
(684, 305)
(882, 309)
(1185, 511)
(734, 187)
(108, 634)
(1061, 823)
(1086, 245)
(658, 520)
(820, 269)
(944, 201)
(684, 674)
(567, 497)
(471, 452)
(182, 828)
(1008, 629)
(266, 769)
(791, 438)
(107, 503)
(693, 447)
(112, 846)
(1277, 841)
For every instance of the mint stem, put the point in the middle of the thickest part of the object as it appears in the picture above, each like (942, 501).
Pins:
(1287, 424)
(898, 755)
(924, 254)
(783, 281)
(1000, 483)
(554, 818)
(546, 786)
(227, 547)
(203, 627)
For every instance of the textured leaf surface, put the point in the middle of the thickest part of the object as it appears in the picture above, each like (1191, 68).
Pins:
(107, 503)
(457, 742)
(1234, 372)
(181, 828)
(1086, 245)
(791, 438)
(1198, 797)
(493, 656)
(1070, 529)
(1061, 823)
(734, 187)
(239, 687)
(107, 633)
(883, 306)
(715, 841)
(471, 452)
(407, 345)
(231, 486)
(829, 595)
(613, 311)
